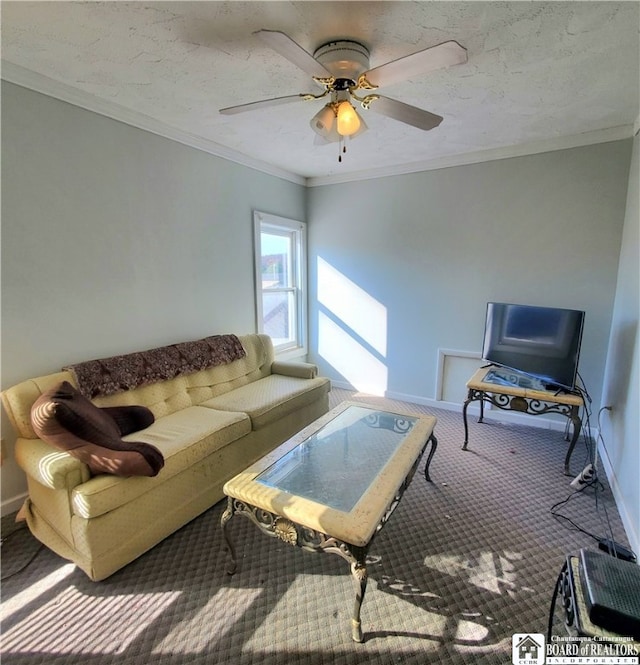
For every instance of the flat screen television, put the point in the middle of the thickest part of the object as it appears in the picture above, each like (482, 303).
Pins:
(543, 342)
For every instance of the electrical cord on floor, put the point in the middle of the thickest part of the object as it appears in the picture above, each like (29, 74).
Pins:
(606, 523)
(598, 486)
(609, 529)
(4, 539)
(608, 543)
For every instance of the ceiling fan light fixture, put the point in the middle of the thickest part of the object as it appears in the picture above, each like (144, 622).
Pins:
(348, 119)
(362, 129)
(323, 122)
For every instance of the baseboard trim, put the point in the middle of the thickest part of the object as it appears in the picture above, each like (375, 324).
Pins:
(13, 504)
(494, 415)
(618, 497)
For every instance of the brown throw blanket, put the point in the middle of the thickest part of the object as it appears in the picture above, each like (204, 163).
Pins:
(107, 376)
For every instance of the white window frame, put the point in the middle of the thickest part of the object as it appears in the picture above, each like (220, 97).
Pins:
(298, 230)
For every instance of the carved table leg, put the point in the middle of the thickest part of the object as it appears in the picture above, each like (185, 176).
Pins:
(360, 575)
(577, 426)
(464, 419)
(226, 516)
(434, 445)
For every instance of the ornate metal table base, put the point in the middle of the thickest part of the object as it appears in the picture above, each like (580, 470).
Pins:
(396, 424)
(315, 541)
(308, 539)
(529, 405)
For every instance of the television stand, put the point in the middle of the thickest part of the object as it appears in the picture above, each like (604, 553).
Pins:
(524, 394)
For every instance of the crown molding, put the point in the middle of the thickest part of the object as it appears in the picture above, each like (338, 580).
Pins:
(521, 150)
(38, 83)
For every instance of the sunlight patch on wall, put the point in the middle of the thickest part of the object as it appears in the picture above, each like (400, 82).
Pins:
(360, 312)
(358, 366)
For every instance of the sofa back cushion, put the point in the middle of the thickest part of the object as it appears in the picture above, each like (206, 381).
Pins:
(215, 381)
(162, 398)
(188, 390)
(115, 374)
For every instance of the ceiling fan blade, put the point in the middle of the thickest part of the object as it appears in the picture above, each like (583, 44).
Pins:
(411, 115)
(435, 57)
(286, 47)
(252, 106)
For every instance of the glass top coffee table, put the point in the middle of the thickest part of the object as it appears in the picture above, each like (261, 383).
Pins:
(334, 485)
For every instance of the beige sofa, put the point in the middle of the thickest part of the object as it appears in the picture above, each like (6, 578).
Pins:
(209, 426)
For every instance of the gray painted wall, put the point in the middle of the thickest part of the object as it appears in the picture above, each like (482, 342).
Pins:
(117, 240)
(620, 427)
(432, 248)
(426, 251)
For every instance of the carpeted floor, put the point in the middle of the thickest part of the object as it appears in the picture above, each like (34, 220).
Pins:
(465, 562)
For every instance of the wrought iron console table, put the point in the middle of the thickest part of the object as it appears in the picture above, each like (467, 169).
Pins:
(530, 400)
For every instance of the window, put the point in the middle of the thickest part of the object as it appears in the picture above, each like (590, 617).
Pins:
(280, 255)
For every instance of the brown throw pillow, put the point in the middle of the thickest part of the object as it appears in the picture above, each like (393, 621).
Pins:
(130, 418)
(69, 421)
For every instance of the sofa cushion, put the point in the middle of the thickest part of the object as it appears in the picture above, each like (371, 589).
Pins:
(194, 433)
(185, 438)
(271, 398)
(69, 421)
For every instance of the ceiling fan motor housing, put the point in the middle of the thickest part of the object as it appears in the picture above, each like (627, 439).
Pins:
(344, 59)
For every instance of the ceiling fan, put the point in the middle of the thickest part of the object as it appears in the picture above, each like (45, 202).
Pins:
(341, 67)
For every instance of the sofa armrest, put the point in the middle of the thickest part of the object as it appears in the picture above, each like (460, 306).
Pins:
(296, 369)
(49, 466)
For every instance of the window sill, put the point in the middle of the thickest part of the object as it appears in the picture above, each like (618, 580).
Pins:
(299, 353)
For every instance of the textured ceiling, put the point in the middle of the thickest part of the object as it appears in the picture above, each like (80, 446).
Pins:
(537, 73)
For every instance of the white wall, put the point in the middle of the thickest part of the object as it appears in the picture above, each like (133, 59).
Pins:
(117, 240)
(620, 427)
(423, 253)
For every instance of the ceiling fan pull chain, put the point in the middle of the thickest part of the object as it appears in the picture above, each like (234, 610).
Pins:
(342, 148)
